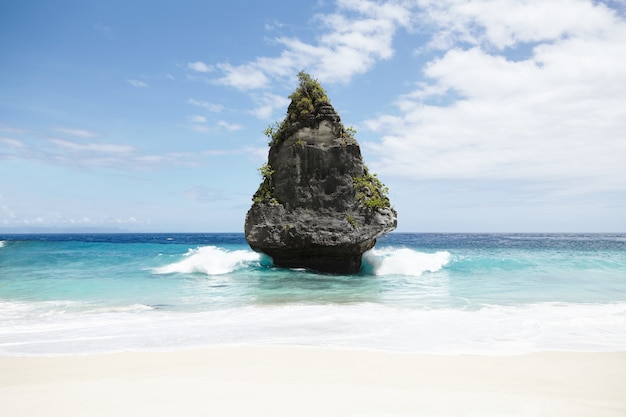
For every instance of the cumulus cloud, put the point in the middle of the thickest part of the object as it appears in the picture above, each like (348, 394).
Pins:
(559, 114)
(243, 77)
(353, 39)
(506, 23)
(199, 66)
(267, 103)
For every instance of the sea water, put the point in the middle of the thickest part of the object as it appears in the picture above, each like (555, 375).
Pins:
(426, 293)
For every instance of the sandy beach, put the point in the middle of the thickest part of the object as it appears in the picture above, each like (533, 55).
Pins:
(287, 381)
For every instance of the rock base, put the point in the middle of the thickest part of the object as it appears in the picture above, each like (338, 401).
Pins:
(323, 241)
(325, 260)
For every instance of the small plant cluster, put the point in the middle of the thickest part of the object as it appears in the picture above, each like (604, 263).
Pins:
(371, 192)
(266, 172)
(306, 98)
(265, 193)
(352, 221)
(275, 132)
(347, 136)
(349, 132)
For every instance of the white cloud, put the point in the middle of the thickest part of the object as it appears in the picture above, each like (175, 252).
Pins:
(93, 155)
(243, 77)
(105, 155)
(13, 143)
(505, 23)
(199, 66)
(274, 25)
(197, 119)
(12, 130)
(267, 103)
(81, 133)
(137, 83)
(150, 160)
(351, 41)
(111, 148)
(200, 128)
(12, 148)
(559, 115)
(214, 108)
(204, 194)
(229, 126)
(257, 154)
(58, 219)
(199, 123)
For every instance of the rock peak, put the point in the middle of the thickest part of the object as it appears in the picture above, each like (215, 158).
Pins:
(318, 206)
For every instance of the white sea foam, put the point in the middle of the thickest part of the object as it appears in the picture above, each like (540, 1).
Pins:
(210, 260)
(133, 308)
(404, 261)
(492, 329)
(1, 243)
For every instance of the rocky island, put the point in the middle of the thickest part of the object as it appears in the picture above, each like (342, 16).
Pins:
(318, 207)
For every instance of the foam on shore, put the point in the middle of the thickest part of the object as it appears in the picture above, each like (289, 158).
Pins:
(31, 328)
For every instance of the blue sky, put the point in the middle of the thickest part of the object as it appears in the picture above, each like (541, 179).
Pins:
(480, 116)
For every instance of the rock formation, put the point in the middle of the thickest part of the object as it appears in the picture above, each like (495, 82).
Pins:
(318, 206)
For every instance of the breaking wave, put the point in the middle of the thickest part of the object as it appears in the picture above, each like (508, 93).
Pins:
(404, 261)
(210, 260)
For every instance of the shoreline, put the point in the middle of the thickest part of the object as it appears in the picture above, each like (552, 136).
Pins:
(310, 381)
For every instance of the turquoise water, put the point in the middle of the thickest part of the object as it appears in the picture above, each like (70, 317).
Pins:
(440, 293)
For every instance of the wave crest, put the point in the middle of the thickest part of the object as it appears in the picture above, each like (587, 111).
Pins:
(210, 260)
(404, 261)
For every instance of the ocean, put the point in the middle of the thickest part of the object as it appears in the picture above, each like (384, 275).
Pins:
(491, 294)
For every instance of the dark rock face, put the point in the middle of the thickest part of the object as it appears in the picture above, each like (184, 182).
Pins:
(309, 213)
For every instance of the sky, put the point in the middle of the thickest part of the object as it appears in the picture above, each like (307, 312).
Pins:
(148, 116)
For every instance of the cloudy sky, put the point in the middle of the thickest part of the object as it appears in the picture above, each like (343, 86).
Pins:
(479, 115)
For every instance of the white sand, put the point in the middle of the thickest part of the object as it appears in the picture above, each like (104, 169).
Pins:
(276, 381)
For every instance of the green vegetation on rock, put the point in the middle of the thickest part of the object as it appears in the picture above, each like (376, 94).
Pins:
(266, 172)
(352, 221)
(371, 192)
(306, 100)
(349, 132)
(265, 193)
